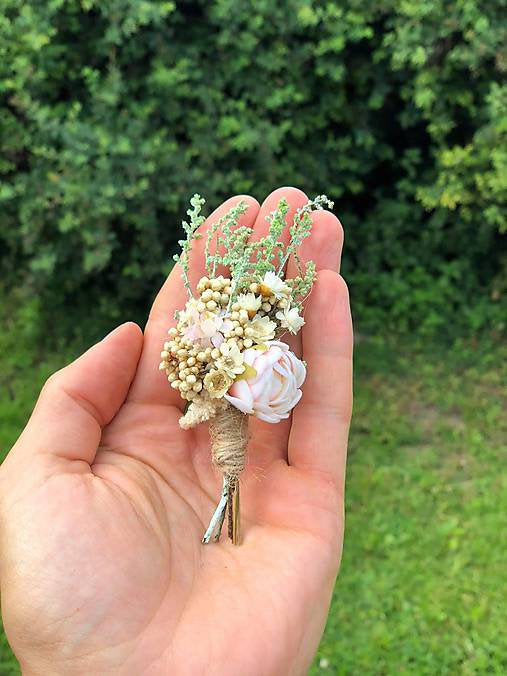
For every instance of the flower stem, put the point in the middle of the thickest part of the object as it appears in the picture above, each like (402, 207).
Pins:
(218, 516)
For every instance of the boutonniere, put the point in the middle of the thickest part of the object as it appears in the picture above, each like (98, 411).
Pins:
(225, 355)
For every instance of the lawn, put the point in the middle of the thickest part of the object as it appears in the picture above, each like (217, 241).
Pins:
(422, 584)
(421, 589)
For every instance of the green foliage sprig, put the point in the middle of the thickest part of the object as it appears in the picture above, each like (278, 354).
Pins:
(225, 234)
(302, 285)
(270, 246)
(190, 229)
(248, 259)
(301, 228)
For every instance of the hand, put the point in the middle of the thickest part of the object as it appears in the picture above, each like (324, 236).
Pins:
(104, 501)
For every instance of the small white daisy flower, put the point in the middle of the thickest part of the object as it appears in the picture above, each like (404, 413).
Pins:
(249, 302)
(231, 359)
(290, 319)
(272, 285)
(217, 382)
(260, 329)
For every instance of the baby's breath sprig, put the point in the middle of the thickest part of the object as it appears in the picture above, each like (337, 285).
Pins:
(196, 220)
(301, 228)
(301, 286)
(248, 261)
(270, 245)
(226, 233)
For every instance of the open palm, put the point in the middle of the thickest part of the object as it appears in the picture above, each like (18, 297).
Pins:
(104, 500)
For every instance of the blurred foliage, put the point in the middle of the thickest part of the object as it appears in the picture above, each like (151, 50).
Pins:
(113, 113)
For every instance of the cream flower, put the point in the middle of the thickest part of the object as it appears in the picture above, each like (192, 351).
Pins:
(260, 329)
(271, 389)
(290, 319)
(206, 328)
(272, 285)
(231, 359)
(189, 313)
(217, 382)
(249, 302)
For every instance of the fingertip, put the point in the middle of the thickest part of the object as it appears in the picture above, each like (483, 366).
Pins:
(253, 207)
(77, 401)
(294, 197)
(328, 229)
(291, 194)
(133, 327)
(333, 288)
(330, 284)
(329, 316)
(325, 213)
(125, 340)
(324, 245)
(134, 333)
(127, 329)
(342, 297)
(197, 256)
(344, 287)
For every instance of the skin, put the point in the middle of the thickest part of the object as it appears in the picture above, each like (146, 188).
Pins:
(104, 500)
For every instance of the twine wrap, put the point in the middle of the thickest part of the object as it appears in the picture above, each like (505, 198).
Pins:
(229, 438)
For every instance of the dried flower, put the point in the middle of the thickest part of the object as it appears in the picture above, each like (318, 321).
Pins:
(201, 409)
(271, 391)
(290, 319)
(231, 359)
(217, 382)
(249, 302)
(261, 329)
(206, 327)
(272, 285)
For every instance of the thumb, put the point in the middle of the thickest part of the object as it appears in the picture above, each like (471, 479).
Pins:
(80, 399)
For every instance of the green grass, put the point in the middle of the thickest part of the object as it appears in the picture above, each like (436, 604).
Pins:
(423, 573)
(422, 585)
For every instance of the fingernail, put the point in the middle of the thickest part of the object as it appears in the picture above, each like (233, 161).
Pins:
(114, 331)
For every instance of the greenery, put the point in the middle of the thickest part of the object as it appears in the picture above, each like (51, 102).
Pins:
(113, 113)
(421, 588)
(248, 259)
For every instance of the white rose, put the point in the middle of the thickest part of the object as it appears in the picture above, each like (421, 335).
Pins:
(269, 387)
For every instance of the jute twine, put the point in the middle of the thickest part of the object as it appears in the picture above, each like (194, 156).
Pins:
(229, 438)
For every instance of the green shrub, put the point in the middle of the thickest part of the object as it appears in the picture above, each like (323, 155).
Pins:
(113, 113)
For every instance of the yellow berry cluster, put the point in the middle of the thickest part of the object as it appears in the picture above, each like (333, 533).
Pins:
(213, 293)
